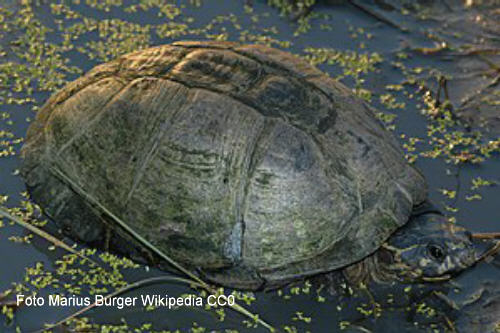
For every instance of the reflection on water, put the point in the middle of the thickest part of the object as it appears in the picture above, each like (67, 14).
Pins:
(396, 70)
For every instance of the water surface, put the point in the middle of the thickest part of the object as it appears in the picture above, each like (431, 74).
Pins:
(379, 61)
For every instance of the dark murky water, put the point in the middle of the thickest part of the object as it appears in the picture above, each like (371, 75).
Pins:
(341, 27)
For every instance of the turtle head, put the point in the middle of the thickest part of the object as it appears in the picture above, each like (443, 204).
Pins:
(430, 248)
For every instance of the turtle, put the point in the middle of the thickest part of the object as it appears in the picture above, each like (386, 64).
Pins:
(242, 162)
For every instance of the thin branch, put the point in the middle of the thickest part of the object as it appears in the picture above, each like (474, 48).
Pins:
(486, 235)
(43, 234)
(58, 173)
(491, 252)
(8, 303)
(468, 99)
(360, 5)
(125, 227)
(130, 287)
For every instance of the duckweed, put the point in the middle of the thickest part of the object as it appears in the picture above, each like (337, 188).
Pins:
(353, 64)
(38, 58)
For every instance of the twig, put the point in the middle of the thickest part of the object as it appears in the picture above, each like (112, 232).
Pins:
(7, 303)
(125, 227)
(378, 16)
(130, 287)
(490, 63)
(450, 324)
(468, 99)
(5, 294)
(430, 50)
(486, 235)
(58, 173)
(451, 303)
(476, 51)
(360, 328)
(43, 234)
(491, 252)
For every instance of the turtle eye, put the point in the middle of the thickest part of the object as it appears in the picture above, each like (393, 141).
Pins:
(436, 251)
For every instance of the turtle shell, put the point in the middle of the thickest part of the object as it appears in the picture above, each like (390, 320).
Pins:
(223, 155)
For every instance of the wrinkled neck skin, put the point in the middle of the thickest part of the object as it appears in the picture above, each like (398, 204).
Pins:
(427, 249)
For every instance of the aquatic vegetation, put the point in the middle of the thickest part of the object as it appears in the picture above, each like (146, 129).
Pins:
(353, 64)
(43, 45)
(478, 182)
(117, 37)
(8, 143)
(287, 7)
